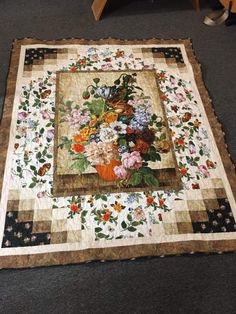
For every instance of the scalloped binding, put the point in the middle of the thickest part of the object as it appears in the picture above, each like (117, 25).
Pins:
(125, 252)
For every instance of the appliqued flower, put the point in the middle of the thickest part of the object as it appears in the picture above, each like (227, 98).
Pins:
(132, 160)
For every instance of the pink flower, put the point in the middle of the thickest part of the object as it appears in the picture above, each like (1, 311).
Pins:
(41, 194)
(45, 114)
(204, 171)
(131, 160)
(50, 133)
(180, 97)
(22, 115)
(120, 172)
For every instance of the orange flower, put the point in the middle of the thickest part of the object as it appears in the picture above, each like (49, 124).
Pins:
(77, 148)
(117, 207)
(74, 208)
(163, 146)
(150, 200)
(106, 216)
(120, 53)
(197, 123)
(110, 117)
(78, 138)
(93, 121)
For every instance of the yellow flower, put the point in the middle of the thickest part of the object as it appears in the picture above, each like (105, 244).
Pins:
(117, 207)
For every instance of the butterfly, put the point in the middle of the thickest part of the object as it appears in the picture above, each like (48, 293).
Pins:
(45, 93)
(44, 169)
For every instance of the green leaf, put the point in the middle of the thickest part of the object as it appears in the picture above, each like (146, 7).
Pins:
(163, 136)
(41, 160)
(140, 235)
(123, 225)
(38, 155)
(135, 223)
(33, 168)
(145, 170)
(96, 80)
(131, 229)
(98, 229)
(151, 180)
(129, 217)
(101, 235)
(104, 198)
(135, 179)
(96, 106)
(32, 185)
(81, 164)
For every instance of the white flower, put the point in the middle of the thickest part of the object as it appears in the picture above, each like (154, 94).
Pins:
(119, 127)
(108, 134)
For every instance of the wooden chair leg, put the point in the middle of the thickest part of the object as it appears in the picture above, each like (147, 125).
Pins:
(196, 4)
(98, 7)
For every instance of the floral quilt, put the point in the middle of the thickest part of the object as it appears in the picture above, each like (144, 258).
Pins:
(111, 150)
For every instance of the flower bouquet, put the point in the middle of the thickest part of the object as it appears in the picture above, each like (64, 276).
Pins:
(116, 132)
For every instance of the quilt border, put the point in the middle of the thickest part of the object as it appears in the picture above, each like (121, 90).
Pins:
(124, 252)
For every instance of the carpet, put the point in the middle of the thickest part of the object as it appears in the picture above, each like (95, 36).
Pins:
(111, 150)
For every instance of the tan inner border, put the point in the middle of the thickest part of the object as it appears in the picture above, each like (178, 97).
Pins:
(126, 252)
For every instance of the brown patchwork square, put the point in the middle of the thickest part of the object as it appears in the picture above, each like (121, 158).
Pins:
(211, 204)
(208, 193)
(197, 216)
(41, 226)
(13, 205)
(25, 215)
(170, 228)
(196, 205)
(185, 227)
(220, 193)
(14, 195)
(59, 225)
(74, 236)
(58, 237)
(182, 216)
(27, 204)
(42, 214)
(217, 183)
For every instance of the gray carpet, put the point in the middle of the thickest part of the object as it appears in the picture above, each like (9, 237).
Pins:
(196, 284)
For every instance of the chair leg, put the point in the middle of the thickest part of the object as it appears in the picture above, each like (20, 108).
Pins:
(196, 4)
(98, 7)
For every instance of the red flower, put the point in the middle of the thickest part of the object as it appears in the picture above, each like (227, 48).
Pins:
(106, 216)
(141, 146)
(161, 202)
(183, 171)
(74, 208)
(150, 200)
(73, 69)
(77, 148)
(195, 186)
(164, 97)
(180, 141)
(82, 61)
